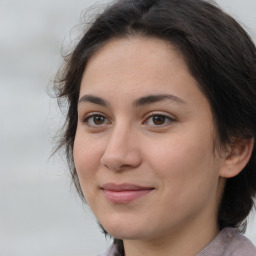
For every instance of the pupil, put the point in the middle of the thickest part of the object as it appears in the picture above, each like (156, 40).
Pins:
(98, 120)
(158, 120)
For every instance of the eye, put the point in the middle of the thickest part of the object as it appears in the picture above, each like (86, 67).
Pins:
(158, 120)
(95, 120)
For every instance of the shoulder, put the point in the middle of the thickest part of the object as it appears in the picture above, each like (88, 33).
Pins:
(111, 251)
(229, 243)
(239, 245)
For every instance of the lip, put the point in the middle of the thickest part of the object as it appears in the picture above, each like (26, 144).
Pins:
(124, 193)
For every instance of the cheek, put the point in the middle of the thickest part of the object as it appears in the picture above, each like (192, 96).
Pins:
(87, 155)
(184, 161)
(188, 176)
(177, 152)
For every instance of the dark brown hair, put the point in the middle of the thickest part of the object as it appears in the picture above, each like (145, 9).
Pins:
(219, 54)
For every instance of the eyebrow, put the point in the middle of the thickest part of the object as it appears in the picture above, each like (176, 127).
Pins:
(146, 100)
(95, 100)
(149, 99)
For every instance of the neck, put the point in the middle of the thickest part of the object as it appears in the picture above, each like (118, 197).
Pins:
(188, 240)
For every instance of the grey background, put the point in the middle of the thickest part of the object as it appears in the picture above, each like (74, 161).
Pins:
(40, 213)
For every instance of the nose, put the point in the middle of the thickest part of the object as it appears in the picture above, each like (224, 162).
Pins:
(122, 150)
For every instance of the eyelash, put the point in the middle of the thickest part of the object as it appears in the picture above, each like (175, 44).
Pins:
(167, 119)
(88, 119)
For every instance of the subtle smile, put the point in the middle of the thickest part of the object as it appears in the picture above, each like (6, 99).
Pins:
(124, 193)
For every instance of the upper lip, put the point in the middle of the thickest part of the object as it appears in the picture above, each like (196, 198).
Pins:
(124, 187)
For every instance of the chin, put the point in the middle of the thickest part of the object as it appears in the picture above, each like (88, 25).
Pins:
(123, 229)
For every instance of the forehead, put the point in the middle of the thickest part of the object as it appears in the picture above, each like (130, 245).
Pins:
(136, 63)
(142, 46)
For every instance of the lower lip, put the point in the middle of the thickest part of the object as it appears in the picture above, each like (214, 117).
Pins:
(122, 197)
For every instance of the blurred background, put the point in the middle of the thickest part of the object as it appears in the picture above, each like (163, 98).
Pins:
(40, 213)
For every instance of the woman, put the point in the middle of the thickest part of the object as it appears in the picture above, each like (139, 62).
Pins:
(160, 127)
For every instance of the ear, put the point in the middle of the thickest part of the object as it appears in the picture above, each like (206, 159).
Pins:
(237, 158)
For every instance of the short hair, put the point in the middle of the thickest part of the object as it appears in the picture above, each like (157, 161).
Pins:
(219, 54)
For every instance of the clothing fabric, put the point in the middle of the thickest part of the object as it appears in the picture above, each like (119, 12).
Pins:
(227, 243)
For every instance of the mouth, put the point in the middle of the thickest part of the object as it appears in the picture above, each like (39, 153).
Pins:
(124, 193)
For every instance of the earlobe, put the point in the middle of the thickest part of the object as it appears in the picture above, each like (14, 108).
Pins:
(237, 158)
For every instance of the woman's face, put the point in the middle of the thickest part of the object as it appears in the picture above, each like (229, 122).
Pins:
(144, 142)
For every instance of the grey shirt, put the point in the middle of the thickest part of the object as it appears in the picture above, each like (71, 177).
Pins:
(227, 243)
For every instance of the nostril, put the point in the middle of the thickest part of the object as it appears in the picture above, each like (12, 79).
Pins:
(125, 166)
(106, 166)
(118, 167)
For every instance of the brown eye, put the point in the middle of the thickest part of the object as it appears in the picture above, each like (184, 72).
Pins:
(158, 120)
(99, 120)
(95, 120)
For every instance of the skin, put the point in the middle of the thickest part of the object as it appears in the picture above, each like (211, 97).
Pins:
(166, 145)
